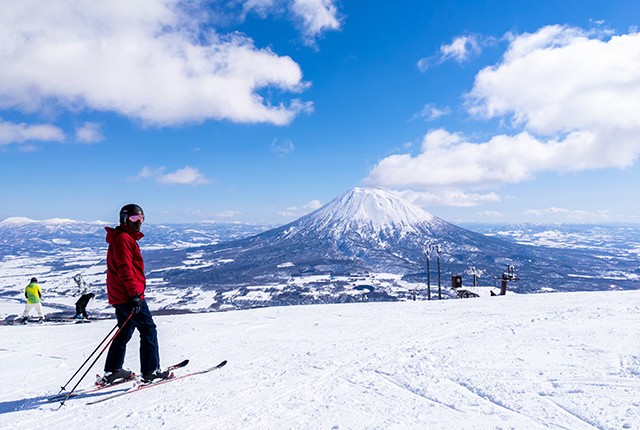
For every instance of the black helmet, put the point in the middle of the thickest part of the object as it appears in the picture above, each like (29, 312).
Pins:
(34, 280)
(129, 209)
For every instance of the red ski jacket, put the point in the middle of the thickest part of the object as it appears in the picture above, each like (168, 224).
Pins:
(125, 266)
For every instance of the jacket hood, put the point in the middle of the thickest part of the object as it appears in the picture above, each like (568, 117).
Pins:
(113, 232)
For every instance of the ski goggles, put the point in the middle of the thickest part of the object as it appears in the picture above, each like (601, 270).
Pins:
(136, 218)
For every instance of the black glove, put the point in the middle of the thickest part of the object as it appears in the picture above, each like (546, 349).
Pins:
(135, 304)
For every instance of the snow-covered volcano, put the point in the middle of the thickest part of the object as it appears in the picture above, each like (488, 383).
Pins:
(366, 215)
(360, 231)
(370, 230)
(368, 209)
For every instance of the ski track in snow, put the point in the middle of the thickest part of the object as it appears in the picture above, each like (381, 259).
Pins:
(553, 361)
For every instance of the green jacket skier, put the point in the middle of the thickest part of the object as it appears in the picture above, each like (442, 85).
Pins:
(33, 293)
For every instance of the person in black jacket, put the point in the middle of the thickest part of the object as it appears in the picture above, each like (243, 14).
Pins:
(85, 296)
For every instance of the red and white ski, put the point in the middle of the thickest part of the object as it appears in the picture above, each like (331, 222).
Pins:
(142, 386)
(62, 397)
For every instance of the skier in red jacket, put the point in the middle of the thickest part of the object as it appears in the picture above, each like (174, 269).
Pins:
(125, 290)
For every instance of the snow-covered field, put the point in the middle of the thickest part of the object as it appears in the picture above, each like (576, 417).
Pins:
(547, 361)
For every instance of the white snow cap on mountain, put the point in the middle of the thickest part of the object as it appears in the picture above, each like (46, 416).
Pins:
(16, 221)
(378, 209)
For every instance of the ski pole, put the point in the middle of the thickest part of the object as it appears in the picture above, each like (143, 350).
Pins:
(64, 387)
(96, 359)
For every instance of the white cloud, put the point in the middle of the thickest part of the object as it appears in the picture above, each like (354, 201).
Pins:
(261, 7)
(148, 172)
(313, 205)
(282, 148)
(572, 98)
(450, 159)
(561, 79)
(460, 50)
(210, 216)
(20, 133)
(227, 214)
(448, 197)
(312, 17)
(89, 133)
(431, 112)
(297, 211)
(317, 16)
(148, 60)
(574, 215)
(185, 176)
(491, 214)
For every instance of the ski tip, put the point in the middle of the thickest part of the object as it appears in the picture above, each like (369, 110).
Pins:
(222, 363)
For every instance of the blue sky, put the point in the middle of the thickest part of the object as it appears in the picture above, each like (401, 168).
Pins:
(262, 110)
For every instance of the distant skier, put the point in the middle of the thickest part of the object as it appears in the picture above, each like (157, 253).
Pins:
(125, 290)
(85, 297)
(34, 295)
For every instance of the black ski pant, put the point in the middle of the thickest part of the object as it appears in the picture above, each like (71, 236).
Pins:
(143, 321)
(81, 305)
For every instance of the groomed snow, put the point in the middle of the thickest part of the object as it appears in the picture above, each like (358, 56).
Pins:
(548, 361)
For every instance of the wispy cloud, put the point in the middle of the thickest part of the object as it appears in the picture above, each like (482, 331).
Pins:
(448, 197)
(20, 133)
(297, 211)
(460, 50)
(227, 214)
(185, 176)
(148, 60)
(89, 133)
(212, 215)
(282, 148)
(313, 18)
(491, 214)
(317, 17)
(571, 98)
(431, 112)
(573, 215)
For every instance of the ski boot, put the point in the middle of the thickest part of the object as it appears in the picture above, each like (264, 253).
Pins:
(156, 374)
(117, 376)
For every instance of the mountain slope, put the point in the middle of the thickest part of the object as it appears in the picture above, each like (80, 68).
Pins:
(370, 230)
(534, 362)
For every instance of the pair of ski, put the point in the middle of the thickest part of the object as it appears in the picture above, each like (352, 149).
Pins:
(137, 385)
(63, 396)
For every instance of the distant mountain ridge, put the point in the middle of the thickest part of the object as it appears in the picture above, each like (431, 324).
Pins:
(371, 230)
(19, 235)
(366, 244)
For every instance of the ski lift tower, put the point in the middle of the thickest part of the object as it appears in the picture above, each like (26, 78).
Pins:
(507, 276)
(438, 250)
(475, 273)
(427, 251)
